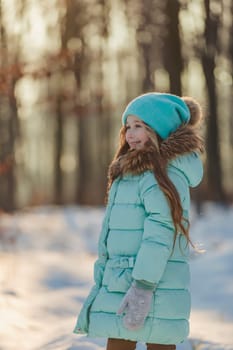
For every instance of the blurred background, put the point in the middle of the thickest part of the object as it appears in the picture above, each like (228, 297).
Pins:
(69, 67)
(67, 70)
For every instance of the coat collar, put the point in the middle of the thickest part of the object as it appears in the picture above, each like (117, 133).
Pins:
(135, 162)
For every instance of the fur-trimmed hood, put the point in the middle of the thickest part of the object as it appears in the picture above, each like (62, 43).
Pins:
(181, 143)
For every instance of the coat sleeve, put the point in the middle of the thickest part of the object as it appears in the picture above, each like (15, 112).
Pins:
(157, 240)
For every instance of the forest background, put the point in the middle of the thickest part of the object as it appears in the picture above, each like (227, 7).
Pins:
(69, 67)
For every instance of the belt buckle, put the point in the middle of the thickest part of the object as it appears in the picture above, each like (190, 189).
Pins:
(126, 262)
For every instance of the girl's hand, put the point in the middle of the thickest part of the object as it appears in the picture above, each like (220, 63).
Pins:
(136, 306)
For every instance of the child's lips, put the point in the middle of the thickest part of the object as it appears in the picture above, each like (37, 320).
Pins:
(134, 144)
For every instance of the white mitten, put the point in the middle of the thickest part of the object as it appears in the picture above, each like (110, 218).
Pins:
(136, 305)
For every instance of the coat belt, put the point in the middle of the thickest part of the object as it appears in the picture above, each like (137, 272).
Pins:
(123, 262)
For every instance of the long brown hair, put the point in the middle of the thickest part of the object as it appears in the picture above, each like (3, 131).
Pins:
(159, 169)
(181, 224)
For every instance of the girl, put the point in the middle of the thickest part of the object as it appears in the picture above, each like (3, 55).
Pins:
(141, 290)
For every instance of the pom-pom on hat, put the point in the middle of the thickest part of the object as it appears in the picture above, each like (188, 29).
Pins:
(164, 113)
(195, 109)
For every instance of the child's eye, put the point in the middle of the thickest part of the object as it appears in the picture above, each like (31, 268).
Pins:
(127, 127)
(138, 125)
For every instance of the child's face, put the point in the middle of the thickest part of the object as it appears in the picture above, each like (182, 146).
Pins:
(136, 133)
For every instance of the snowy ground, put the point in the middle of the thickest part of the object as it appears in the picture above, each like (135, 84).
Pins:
(47, 255)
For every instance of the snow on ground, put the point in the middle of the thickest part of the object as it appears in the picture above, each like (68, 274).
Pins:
(47, 256)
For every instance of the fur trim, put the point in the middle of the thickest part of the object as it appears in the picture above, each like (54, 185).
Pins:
(133, 162)
(182, 141)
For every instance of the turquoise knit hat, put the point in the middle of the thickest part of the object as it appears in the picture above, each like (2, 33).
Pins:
(164, 113)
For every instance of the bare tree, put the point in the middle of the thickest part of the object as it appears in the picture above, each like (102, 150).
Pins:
(230, 50)
(9, 126)
(75, 22)
(104, 121)
(147, 18)
(80, 19)
(173, 60)
(208, 57)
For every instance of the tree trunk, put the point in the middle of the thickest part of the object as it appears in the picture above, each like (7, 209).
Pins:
(13, 129)
(84, 169)
(9, 126)
(172, 47)
(231, 61)
(148, 40)
(214, 169)
(72, 27)
(147, 83)
(58, 153)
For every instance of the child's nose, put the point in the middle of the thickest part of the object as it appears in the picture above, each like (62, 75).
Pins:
(130, 135)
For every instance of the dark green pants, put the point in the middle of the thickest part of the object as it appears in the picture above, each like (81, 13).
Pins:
(121, 344)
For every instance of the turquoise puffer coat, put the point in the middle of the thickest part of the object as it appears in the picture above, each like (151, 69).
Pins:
(136, 242)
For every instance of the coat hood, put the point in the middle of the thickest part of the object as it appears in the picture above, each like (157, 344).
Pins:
(190, 166)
